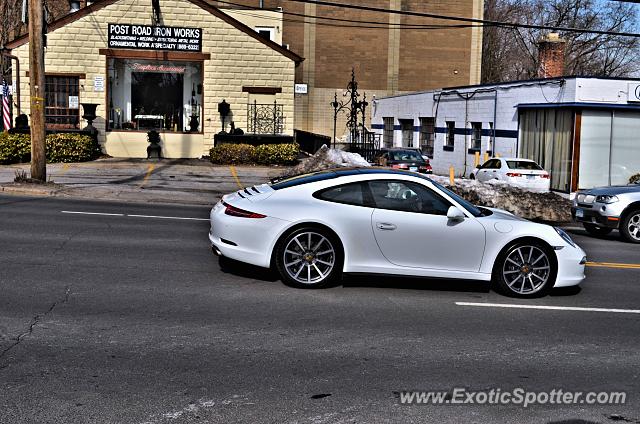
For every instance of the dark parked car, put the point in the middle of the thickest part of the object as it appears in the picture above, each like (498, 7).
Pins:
(403, 158)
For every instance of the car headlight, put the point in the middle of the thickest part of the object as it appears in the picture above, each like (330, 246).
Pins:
(606, 198)
(564, 236)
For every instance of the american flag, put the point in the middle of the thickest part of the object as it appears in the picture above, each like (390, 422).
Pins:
(6, 111)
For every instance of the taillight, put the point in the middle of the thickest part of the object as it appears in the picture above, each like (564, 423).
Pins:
(240, 213)
(513, 174)
(547, 176)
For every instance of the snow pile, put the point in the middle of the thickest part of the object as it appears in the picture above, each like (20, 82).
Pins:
(326, 158)
(498, 194)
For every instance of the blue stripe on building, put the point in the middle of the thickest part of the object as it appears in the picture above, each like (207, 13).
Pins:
(486, 132)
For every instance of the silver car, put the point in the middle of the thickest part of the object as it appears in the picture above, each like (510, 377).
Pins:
(602, 210)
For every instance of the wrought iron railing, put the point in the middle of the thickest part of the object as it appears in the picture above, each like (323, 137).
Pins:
(265, 118)
(366, 143)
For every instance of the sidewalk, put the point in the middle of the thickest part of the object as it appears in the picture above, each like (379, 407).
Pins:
(183, 181)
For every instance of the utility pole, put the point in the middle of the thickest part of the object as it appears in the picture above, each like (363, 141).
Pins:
(36, 80)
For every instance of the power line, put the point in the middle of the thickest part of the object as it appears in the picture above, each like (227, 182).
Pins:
(378, 23)
(484, 22)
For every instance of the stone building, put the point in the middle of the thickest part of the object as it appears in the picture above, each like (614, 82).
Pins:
(164, 67)
(388, 60)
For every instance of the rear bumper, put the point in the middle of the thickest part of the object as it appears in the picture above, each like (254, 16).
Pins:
(244, 239)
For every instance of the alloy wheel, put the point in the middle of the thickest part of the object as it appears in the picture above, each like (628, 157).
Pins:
(309, 257)
(526, 269)
(633, 226)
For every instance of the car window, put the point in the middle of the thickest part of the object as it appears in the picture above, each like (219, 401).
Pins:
(523, 164)
(350, 194)
(407, 196)
(492, 164)
(405, 155)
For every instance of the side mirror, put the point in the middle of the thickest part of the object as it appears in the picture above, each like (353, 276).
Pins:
(455, 214)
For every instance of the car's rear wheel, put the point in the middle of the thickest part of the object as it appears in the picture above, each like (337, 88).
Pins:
(525, 269)
(595, 230)
(630, 228)
(309, 258)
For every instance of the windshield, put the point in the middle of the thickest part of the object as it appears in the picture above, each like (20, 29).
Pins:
(523, 164)
(405, 155)
(467, 205)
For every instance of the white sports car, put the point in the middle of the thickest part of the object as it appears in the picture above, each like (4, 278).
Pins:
(313, 227)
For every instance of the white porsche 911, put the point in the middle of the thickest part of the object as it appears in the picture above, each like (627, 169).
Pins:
(314, 227)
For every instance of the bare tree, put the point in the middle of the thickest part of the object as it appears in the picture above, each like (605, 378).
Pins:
(511, 54)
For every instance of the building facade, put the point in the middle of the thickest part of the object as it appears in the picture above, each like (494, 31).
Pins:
(166, 68)
(389, 54)
(584, 131)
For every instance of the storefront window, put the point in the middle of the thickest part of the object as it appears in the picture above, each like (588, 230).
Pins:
(61, 102)
(545, 135)
(160, 95)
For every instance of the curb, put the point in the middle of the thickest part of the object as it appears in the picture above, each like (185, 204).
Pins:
(29, 190)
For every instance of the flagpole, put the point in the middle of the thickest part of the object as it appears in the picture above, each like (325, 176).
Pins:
(37, 91)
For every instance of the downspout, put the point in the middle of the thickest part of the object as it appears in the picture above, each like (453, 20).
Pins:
(17, 78)
(466, 144)
(495, 124)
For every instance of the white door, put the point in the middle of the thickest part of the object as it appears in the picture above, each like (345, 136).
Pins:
(411, 228)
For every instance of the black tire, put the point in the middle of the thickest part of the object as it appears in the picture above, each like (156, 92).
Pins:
(630, 226)
(307, 267)
(597, 231)
(538, 274)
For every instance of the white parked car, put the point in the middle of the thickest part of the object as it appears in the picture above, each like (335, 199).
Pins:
(314, 227)
(523, 173)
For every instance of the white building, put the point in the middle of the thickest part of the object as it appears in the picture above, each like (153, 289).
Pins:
(584, 131)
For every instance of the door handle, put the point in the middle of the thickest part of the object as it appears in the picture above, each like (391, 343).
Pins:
(385, 226)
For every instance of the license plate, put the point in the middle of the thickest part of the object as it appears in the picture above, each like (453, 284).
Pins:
(579, 213)
(413, 168)
(531, 177)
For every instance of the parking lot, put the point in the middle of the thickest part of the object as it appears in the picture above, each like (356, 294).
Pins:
(118, 312)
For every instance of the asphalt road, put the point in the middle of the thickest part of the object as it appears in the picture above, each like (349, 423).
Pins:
(130, 319)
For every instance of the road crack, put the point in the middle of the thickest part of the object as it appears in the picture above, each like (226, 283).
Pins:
(34, 322)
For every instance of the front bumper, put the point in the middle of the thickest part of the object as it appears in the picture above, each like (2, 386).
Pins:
(571, 263)
(594, 214)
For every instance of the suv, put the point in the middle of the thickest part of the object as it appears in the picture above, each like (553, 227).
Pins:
(601, 210)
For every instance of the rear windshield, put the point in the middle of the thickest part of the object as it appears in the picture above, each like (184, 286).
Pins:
(405, 155)
(523, 164)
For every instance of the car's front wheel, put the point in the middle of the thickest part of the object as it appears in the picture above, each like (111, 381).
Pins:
(309, 258)
(597, 231)
(525, 269)
(630, 228)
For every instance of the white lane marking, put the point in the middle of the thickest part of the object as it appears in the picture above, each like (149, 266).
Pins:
(136, 216)
(94, 213)
(552, 308)
(168, 217)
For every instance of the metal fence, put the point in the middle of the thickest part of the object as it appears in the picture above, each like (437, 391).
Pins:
(265, 118)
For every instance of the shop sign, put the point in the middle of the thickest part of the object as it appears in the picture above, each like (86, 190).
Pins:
(301, 89)
(634, 92)
(147, 37)
(170, 69)
(98, 83)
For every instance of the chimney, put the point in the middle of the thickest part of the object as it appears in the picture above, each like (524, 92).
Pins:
(551, 56)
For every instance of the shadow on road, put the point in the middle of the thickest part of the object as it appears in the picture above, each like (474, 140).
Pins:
(415, 283)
